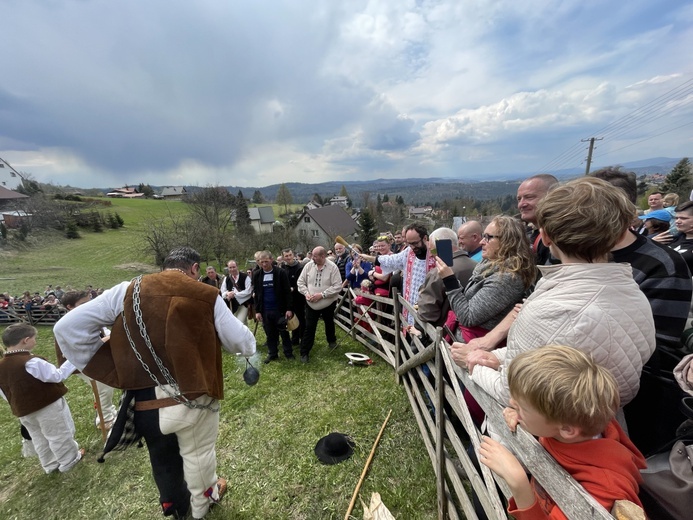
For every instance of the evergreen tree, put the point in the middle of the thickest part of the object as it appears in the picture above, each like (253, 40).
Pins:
(146, 189)
(284, 197)
(369, 231)
(379, 205)
(120, 220)
(386, 198)
(679, 180)
(71, 230)
(243, 225)
(3, 230)
(258, 198)
(343, 192)
(240, 195)
(112, 221)
(96, 223)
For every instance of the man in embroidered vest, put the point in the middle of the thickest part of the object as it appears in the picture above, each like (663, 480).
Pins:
(237, 291)
(167, 331)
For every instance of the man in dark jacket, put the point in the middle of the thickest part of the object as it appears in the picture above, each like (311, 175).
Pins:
(273, 304)
(293, 268)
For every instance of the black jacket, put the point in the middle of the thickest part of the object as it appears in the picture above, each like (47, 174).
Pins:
(282, 290)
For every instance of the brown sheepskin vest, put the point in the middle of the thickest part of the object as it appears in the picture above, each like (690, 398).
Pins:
(178, 313)
(24, 392)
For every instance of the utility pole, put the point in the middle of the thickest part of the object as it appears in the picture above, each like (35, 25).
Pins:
(589, 154)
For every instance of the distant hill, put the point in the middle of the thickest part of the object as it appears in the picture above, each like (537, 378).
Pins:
(420, 191)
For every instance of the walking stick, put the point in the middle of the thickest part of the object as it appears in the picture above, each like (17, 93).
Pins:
(365, 468)
(99, 411)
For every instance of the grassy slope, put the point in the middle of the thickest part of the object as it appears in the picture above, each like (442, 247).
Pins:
(267, 432)
(99, 259)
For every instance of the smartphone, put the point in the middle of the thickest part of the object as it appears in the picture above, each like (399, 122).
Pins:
(443, 249)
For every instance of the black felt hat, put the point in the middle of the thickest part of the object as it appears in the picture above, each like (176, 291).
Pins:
(334, 448)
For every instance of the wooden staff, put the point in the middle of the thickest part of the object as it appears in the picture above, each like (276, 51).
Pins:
(99, 411)
(365, 469)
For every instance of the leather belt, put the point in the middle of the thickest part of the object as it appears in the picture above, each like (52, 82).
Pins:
(164, 402)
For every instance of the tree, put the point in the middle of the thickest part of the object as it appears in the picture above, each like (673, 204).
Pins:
(257, 197)
(211, 208)
(29, 186)
(284, 197)
(95, 222)
(679, 180)
(343, 191)
(369, 231)
(146, 189)
(71, 230)
(243, 226)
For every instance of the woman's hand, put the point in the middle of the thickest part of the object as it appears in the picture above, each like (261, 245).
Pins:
(444, 270)
(483, 358)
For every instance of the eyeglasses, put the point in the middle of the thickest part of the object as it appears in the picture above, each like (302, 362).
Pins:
(488, 237)
(414, 244)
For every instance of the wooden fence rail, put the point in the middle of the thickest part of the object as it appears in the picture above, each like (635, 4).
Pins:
(36, 316)
(434, 385)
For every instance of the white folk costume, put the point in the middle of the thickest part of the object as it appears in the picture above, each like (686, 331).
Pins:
(34, 389)
(186, 323)
(414, 271)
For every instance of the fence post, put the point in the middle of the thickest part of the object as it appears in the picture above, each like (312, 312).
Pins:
(351, 314)
(398, 346)
(440, 428)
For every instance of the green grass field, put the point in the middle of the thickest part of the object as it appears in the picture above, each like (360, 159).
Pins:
(267, 432)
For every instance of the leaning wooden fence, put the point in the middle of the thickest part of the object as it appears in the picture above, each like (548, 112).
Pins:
(434, 386)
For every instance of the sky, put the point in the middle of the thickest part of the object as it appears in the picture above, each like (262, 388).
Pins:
(96, 93)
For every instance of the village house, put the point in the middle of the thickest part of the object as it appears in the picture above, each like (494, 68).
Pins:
(320, 226)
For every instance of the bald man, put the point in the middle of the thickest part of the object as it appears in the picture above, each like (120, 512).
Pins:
(469, 239)
(529, 194)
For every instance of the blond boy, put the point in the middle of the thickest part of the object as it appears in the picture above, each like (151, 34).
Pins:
(34, 389)
(567, 400)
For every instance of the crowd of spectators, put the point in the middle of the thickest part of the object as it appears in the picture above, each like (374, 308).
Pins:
(47, 300)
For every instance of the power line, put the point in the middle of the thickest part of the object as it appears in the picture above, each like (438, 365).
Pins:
(655, 109)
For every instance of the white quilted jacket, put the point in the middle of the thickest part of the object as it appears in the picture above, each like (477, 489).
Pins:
(597, 308)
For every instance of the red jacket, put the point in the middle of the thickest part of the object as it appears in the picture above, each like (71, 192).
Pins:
(608, 468)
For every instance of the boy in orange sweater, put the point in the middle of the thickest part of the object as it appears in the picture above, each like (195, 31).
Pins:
(563, 397)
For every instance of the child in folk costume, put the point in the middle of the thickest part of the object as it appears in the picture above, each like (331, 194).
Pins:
(34, 389)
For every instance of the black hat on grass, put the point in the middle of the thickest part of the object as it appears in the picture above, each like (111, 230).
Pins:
(334, 448)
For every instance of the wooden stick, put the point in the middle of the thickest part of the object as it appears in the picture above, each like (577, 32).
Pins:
(365, 469)
(99, 411)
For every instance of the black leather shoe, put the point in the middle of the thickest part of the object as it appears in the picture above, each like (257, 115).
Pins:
(304, 358)
(290, 356)
(269, 359)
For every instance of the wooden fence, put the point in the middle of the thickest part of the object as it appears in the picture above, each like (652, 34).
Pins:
(434, 383)
(36, 316)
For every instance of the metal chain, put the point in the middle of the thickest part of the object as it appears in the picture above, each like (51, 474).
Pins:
(176, 395)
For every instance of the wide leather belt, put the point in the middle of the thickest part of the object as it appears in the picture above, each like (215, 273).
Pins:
(164, 402)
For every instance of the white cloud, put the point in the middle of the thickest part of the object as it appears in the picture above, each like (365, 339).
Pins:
(270, 91)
